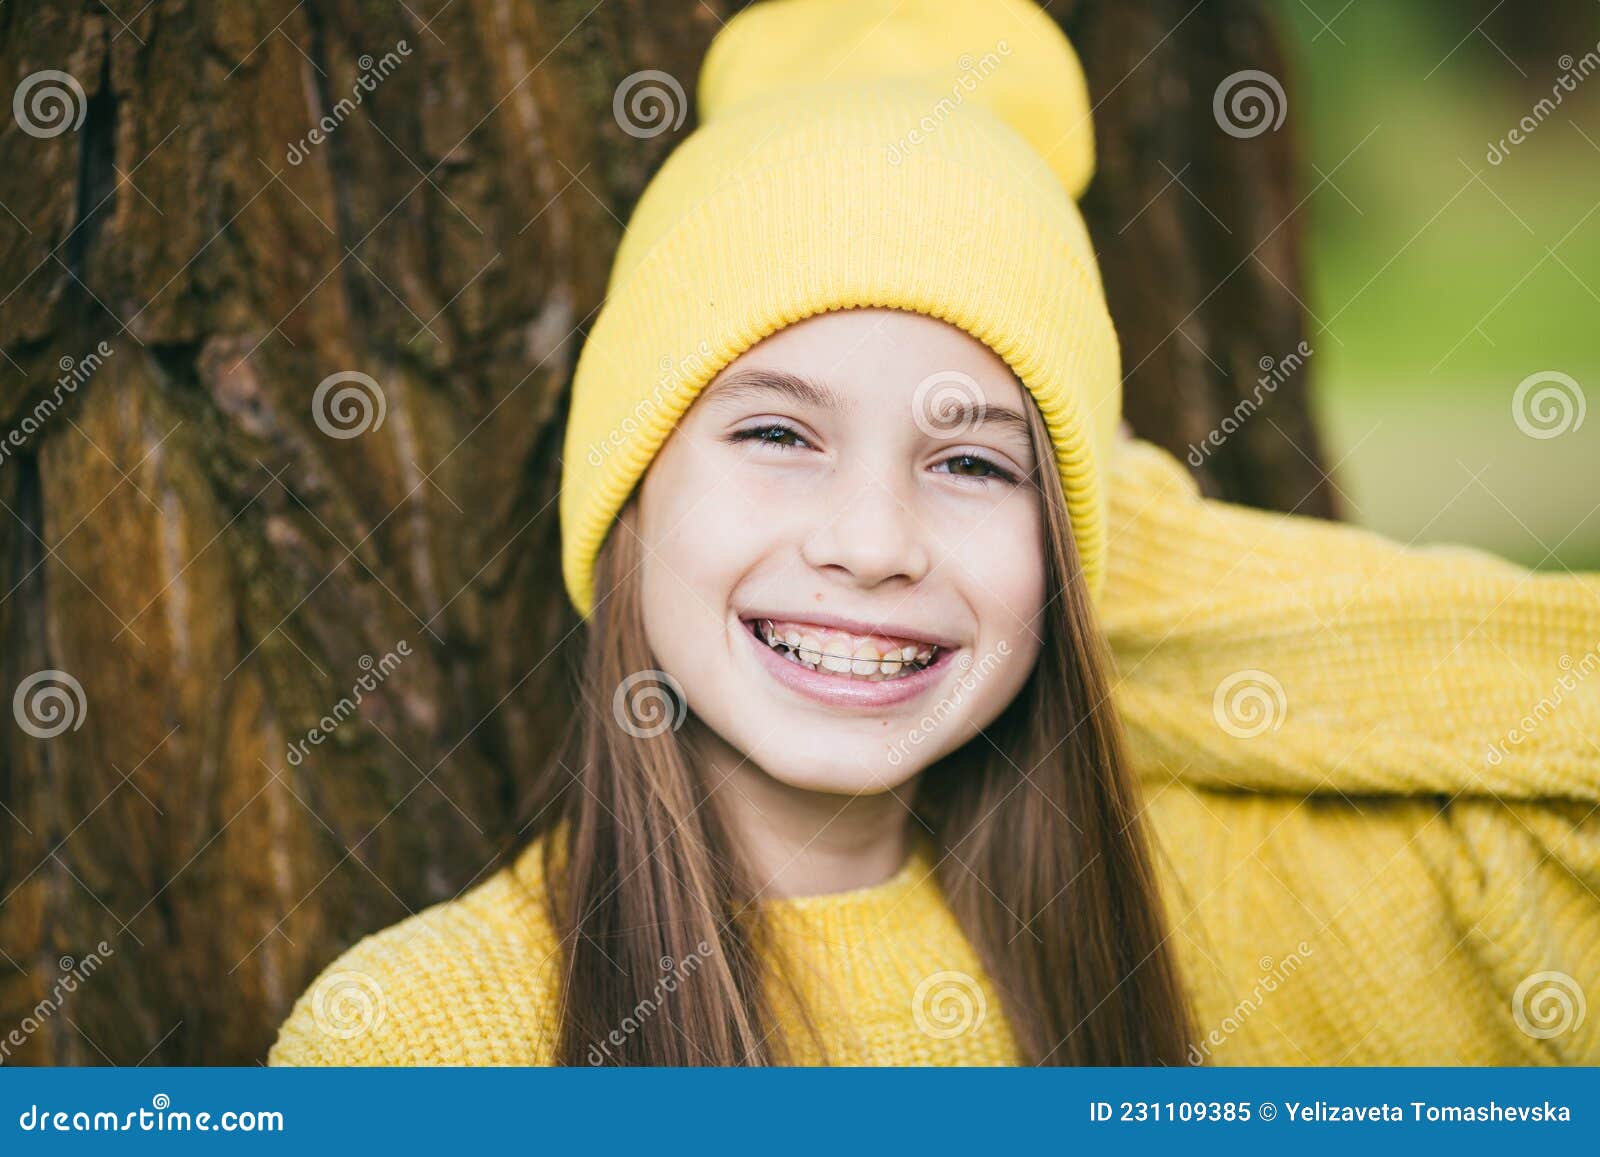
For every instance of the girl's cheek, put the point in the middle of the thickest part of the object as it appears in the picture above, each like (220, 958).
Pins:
(761, 501)
(726, 525)
(1003, 560)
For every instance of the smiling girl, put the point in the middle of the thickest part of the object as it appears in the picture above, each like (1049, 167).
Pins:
(921, 719)
(883, 636)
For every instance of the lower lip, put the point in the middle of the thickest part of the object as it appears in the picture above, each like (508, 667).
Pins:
(841, 691)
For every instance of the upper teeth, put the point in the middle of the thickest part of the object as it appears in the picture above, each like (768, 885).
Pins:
(843, 653)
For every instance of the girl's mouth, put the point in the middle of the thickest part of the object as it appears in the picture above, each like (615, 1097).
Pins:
(843, 672)
(834, 653)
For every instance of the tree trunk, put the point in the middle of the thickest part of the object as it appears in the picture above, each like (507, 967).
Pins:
(284, 619)
(1199, 241)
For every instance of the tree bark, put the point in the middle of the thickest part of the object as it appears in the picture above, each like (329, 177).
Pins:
(1200, 243)
(209, 578)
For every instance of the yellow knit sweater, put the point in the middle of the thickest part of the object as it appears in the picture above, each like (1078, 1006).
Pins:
(1373, 781)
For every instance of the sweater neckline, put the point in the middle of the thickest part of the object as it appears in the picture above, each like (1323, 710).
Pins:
(915, 874)
(900, 902)
(903, 918)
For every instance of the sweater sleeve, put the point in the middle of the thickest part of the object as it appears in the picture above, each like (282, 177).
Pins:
(1382, 930)
(1383, 759)
(1275, 652)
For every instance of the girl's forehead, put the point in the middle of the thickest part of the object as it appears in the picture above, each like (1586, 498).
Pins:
(875, 325)
(876, 351)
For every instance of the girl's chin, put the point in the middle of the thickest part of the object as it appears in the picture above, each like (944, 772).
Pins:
(820, 776)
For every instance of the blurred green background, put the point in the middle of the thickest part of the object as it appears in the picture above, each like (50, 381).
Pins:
(1440, 281)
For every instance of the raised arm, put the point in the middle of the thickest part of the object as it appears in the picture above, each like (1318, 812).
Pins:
(1373, 775)
(1282, 653)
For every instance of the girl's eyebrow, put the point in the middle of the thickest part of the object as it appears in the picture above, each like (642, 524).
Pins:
(759, 383)
(751, 384)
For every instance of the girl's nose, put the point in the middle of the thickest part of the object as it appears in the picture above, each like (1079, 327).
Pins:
(868, 530)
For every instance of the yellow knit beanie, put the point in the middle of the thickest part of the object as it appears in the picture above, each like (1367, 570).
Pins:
(922, 155)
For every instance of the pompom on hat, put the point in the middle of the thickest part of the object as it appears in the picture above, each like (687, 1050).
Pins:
(923, 155)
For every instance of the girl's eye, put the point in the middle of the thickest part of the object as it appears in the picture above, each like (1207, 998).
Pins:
(772, 434)
(784, 437)
(977, 462)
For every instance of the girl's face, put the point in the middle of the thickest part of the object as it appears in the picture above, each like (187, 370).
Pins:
(855, 486)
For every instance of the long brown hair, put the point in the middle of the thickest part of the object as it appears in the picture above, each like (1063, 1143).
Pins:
(1042, 809)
